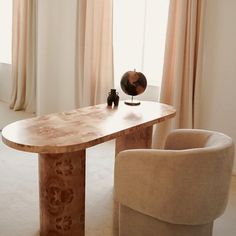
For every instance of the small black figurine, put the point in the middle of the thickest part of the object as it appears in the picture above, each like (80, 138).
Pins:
(113, 97)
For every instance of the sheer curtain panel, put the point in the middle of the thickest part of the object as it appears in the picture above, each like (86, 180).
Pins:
(94, 60)
(182, 66)
(23, 55)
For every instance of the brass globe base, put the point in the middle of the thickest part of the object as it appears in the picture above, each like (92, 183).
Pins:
(132, 102)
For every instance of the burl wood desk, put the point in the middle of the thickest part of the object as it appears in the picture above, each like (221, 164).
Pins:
(61, 140)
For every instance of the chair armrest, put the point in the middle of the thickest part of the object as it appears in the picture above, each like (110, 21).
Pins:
(172, 185)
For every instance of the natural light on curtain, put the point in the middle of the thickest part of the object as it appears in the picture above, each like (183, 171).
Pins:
(5, 31)
(139, 30)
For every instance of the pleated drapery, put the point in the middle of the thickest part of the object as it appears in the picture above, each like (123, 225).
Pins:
(94, 60)
(24, 55)
(182, 66)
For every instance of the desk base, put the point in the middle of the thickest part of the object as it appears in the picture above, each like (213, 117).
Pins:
(62, 193)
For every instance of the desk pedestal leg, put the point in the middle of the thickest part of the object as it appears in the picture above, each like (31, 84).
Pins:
(137, 139)
(62, 194)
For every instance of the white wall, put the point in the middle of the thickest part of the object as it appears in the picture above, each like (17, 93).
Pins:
(56, 55)
(5, 82)
(219, 71)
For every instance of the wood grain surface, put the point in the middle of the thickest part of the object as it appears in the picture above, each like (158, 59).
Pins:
(82, 128)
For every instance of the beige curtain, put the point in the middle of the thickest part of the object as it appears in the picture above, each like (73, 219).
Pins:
(94, 60)
(23, 55)
(182, 66)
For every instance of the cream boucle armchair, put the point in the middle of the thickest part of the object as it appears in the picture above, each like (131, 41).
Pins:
(178, 191)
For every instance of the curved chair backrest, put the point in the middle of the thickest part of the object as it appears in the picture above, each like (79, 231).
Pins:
(210, 155)
(187, 183)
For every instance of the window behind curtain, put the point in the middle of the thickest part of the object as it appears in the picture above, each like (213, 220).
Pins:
(5, 31)
(139, 37)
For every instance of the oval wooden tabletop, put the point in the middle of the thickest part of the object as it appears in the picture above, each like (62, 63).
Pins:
(81, 128)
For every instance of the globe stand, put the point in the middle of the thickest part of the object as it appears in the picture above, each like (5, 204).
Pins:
(132, 102)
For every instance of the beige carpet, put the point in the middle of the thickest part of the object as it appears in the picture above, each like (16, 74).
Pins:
(8, 116)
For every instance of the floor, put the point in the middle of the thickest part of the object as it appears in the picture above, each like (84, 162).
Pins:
(8, 116)
(19, 191)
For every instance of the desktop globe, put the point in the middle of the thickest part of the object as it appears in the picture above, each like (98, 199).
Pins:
(133, 83)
